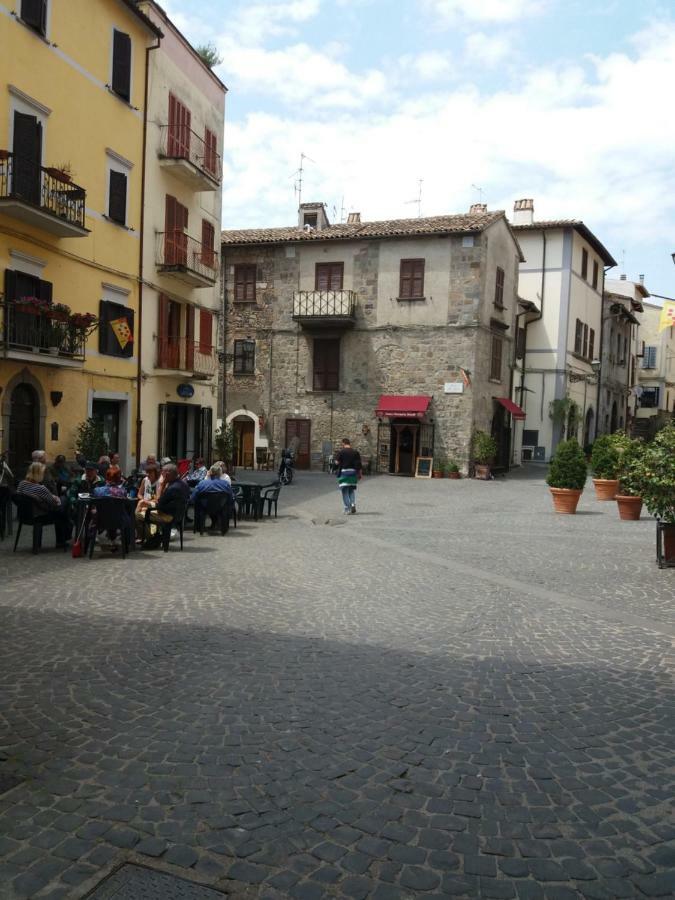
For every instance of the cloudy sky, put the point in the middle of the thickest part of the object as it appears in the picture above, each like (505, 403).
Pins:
(570, 102)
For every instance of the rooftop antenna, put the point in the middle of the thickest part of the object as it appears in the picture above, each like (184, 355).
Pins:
(418, 199)
(480, 192)
(299, 176)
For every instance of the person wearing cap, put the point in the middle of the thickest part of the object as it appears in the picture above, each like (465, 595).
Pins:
(86, 484)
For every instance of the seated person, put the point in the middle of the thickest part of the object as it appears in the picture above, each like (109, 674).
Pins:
(103, 465)
(223, 469)
(39, 456)
(115, 461)
(60, 472)
(170, 505)
(86, 483)
(150, 460)
(112, 486)
(198, 470)
(147, 496)
(46, 505)
(212, 484)
(165, 461)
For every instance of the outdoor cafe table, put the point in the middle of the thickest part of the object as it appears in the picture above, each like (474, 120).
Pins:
(84, 503)
(250, 491)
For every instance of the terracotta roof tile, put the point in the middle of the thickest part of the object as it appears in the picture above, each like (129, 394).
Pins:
(459, 224)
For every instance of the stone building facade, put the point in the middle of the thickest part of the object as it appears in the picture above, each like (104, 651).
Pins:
(397, 334)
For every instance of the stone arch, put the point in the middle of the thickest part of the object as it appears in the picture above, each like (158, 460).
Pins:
(25, 376)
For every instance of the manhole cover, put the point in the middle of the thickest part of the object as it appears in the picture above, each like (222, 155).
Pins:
(137, 883)
(7, 782)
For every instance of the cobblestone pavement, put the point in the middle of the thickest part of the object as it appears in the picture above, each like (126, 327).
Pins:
(453, 693)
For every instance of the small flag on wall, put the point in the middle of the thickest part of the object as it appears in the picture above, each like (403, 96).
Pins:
(116, 330)
(667, 319)
(465, 377)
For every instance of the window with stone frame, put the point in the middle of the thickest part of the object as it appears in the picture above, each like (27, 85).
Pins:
(326, 364)
(411, 281)
(499, 288)
(245, 276)
(244, 357)
(496, 354)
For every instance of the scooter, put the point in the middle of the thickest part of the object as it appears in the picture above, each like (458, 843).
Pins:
(287, 467)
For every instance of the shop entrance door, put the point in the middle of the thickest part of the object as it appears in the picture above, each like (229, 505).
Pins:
(23, 427)
(244, 440)
(404, 442)
(298, 433)
(108, 414)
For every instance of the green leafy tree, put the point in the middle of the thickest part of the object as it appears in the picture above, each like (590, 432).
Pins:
(224, 443)
(568, 467)
(90, 439)
(484, 448)
(209, 55)
(658, 491)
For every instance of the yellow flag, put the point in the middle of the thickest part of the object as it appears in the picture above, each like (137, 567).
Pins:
(667, 319)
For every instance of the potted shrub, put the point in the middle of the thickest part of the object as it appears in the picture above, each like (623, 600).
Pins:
(658, 490)
(567, 476)
(437, 469)
(604, 464)
(631, 474)
(484, 452)
(59, 312)
(453, 470)
(31, 305)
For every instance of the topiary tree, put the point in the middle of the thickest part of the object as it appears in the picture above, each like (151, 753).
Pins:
(90, 439)
(484, 448)
(658, 491)
(604, 457)
(568, 467)
(631, 470)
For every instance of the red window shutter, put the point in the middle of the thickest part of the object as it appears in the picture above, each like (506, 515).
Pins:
(205, 332)
(178, 140)
(163, 332)
(189, 338)
(175, 239)
(208, 238)
(211, 152)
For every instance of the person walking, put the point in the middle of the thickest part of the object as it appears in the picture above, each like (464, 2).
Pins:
(348, 462)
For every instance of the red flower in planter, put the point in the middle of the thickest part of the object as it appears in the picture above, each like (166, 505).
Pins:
(32, 305)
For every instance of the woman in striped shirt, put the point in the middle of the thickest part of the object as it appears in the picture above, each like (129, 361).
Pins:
(46, 505)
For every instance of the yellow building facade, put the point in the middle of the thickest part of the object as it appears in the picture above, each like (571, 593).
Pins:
(72, 90)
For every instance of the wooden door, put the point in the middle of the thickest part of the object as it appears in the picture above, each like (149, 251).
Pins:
(298, 433)
(27, 149)
(406, 448)
(244, 443)
(23, 427)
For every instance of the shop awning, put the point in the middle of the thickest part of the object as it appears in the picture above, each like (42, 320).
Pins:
(511, 407)
(402, 407)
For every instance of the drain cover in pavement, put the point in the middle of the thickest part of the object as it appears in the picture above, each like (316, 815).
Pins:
(7, 782)
(137, 883)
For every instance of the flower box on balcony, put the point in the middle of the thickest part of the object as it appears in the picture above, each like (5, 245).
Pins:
(31, 305)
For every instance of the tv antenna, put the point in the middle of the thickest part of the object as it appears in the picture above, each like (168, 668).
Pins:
(418, 199)
(480, 192)
(299, 176)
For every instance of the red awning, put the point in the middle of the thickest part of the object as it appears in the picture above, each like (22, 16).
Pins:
(402, 407)
(512, 407)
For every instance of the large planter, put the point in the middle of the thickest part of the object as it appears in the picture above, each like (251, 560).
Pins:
(605, 488)
(665, 544)
(565, 500)
(454, 475)
(629, 507)
(482, 472)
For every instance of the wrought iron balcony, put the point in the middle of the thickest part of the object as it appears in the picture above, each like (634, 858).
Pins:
(187, 259)
(28, 335)
(41, 196)
(190, 158)
(186, 356)
(324, 308)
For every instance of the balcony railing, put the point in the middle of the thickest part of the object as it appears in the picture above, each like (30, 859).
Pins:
(331, 306)
(41, 196)
(39, 334)
(183, 355)
(187, 258)
(178, 142)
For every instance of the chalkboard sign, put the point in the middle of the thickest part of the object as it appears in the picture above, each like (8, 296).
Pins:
(423, 467)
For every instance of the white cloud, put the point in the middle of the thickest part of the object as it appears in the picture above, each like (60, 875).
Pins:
(487, 50)
(255, 22)
(451, 11)
(426, 66)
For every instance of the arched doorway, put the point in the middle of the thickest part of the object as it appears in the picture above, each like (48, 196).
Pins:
(24, 426)
(588, 427)
(614, 420)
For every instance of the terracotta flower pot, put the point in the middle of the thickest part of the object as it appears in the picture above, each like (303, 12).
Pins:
(629, 507)
(454, 475)
(565, 500)
(605, 488)
(669, 543)
(436, 473)
(482, 472)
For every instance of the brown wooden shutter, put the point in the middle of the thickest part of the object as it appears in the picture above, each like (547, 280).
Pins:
(27, 149)
(163, 333)
(584, 346)
(496, 359)
(189, 338)
(244, 283)
(34, 13)
(499, 287)
(584, 263)
(205, 332)
(211, 152)
(162, 429)
(121, 72)
(591, 344)
(411, 282)
(326, 364)
(208, 238)
(328, 276)
(578, 336)
(117, 206)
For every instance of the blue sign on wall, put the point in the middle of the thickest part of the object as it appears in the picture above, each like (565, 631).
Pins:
(185, 390)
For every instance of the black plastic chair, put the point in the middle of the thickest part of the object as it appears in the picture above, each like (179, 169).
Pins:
(5, 510)
(216, 507)
(269, 495)
(26, 516)
(112, 516)
(238, 503)
(177, 522)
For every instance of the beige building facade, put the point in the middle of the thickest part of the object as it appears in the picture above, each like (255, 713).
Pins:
(398, 334)
(181, 260)
(622, 311)
(656, 374)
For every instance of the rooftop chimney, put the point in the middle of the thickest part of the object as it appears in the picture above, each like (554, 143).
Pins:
(312, 215)
(523, 212)
(478, 209)
(642, 279)
(354, 219)
(622, 278)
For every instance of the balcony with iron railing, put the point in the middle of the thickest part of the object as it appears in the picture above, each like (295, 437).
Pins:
(187, 357)
(37, 336)
(187, 156)
(187, 259)
(324, 308)
(41, 196)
